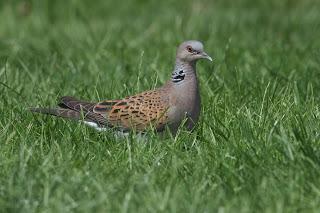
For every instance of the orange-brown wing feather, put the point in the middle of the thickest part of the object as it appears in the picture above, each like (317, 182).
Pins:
(136, 112)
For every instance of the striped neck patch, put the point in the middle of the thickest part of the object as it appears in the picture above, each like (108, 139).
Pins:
(178, 76)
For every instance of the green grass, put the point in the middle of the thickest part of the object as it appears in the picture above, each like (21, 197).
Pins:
(255, 149)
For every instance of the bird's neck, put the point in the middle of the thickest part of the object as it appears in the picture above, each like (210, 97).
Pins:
(183, 72)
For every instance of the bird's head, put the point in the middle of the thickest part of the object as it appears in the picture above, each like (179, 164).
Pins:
(191, 51)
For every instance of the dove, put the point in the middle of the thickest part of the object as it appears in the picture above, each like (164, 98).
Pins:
(176, 102)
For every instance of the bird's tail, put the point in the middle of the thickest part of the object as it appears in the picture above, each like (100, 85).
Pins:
(59, 112)
(72, 108)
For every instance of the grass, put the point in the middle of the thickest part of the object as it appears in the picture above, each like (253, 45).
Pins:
(255, 149)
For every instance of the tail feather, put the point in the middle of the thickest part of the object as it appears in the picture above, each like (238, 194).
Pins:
(71, 108)
(72, 114)
(75, 104)
(59, 112)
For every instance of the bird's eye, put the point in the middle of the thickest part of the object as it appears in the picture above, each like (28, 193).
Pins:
(190, 50)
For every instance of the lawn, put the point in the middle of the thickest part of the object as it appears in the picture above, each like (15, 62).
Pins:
(256, 147)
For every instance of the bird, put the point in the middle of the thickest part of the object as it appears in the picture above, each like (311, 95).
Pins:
(177, 101)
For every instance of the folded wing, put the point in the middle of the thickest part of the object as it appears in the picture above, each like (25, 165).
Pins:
(136, 112)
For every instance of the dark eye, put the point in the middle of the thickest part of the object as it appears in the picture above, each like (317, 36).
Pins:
(190, 50)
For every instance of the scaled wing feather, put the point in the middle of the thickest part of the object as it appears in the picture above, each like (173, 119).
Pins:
(138, 112)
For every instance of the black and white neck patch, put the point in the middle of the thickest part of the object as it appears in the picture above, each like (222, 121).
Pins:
(178, 76)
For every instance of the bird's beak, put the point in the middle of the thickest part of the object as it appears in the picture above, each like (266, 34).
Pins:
(206, 56)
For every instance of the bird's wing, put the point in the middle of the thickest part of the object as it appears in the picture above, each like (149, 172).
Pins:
(136, 112)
